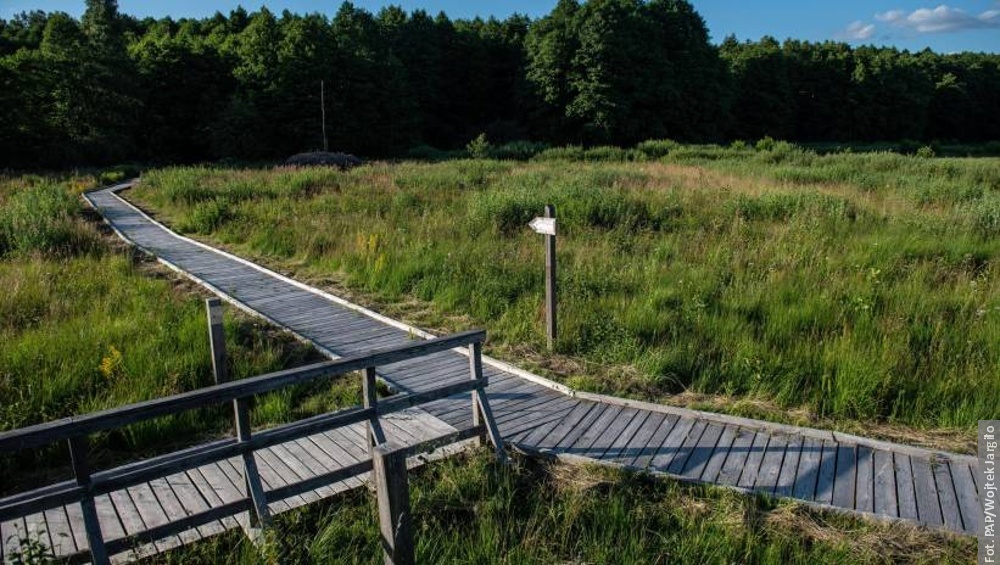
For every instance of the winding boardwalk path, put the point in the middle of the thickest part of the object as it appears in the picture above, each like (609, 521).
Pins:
(822, 468)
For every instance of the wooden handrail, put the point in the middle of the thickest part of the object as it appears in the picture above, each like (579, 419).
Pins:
(75, 426)
(102, 482)
(88, 484)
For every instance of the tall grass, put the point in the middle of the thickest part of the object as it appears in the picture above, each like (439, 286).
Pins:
(470, 510)
(84, 326)
(859, 286)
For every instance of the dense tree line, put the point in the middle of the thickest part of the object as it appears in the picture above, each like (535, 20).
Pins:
(109, 87)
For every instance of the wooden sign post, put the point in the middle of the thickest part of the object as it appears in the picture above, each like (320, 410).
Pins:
(547, 226)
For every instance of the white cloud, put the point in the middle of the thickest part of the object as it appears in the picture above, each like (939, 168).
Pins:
(858, 31)
(942, 19)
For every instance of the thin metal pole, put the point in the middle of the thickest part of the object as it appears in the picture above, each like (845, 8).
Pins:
(550, 282)
(322, 109)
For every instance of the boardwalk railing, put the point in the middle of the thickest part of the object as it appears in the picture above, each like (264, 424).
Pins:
(88, 484)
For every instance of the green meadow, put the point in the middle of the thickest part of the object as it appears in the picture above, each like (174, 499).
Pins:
(85, 325)
(852, 289)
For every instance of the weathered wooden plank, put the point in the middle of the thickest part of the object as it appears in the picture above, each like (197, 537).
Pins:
(75, 514)
(637, 445)
(968, 501)
(621, 443)
(844, 484)
(173, 508)
(672, 444)
(752, 465)
(38, 529)
(530, 407)
(349, 440)
(946, 495)
(928, 507)
(127, 513)
(789, 467)
(718, 456)
(192, 502)
(227, 475)
(905, 491)
(572, 434)
(434, 426)
(60, 533)
(515, 426)
(212, 498)
(336, 455)
(583, 443)
(864, 490)
(808, 473)
(645, 455)
(11, 533)
(280, 475)
(702, 451)
(885, 484)
(607, 437)
(306, 466)
(827, 473)
(555, 434)
(150, 511)
(731, 470)
(770, 465)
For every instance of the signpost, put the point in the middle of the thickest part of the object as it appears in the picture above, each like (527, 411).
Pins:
(547, 227)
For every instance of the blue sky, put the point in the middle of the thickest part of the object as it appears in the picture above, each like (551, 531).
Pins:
(956, 25)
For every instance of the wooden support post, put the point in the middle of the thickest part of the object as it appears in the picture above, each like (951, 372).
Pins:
(393, 493)
(550, 282)
(375, 433)
(217, 340)
(259, 516)
(91, 523)
(481, 412)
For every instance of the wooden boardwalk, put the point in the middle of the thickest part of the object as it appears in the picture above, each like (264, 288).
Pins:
(832, 470)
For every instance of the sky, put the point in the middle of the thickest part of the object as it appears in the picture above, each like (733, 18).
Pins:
(958, 25)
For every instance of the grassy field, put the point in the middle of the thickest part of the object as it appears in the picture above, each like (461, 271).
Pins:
(469, 510)
(85, 325)
(854, 289)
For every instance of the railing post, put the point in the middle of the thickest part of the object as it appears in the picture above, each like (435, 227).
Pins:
(259, 516)
(375, 433)
(481, 412)
(91, 523)
(217, 340)
(392, 491)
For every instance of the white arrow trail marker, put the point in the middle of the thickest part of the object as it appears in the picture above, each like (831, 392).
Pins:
(544, 226)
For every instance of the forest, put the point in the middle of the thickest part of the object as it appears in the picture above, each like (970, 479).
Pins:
(112, 88)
